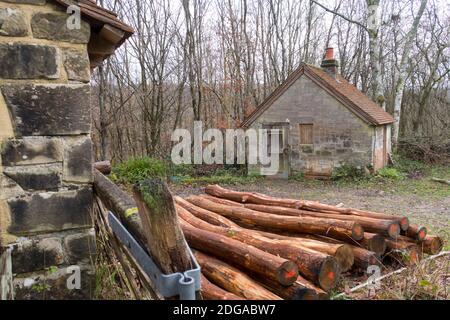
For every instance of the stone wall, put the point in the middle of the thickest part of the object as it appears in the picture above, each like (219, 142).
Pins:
(339, 135)
(46, 151)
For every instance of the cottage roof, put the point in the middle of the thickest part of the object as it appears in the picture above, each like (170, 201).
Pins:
(338, 87)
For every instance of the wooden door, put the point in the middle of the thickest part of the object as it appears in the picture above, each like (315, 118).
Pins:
(281, 130)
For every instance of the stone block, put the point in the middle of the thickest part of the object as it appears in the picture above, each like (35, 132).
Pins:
(13, 23)
(54, 285)
(32, 151)
(54, 26)
(39, 110)
(27, 61)
(77, 65)
(39, 177)
(36, 254)
(78, 160)
(80, 247)
(9, 188)
(50, 212)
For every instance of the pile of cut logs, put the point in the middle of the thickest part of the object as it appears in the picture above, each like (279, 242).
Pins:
(253, 246)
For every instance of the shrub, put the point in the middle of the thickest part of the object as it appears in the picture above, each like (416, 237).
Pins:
(135, 170)
(348, 172)
(389, 173)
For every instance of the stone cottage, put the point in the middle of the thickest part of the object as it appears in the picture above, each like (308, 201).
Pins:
(46, 56)
(323, 122)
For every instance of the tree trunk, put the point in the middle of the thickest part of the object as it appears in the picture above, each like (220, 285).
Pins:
(246, 257)
(212, 292)
(232, 280)
(295, 224)
(159, 218)
(403, 72)
(386, 227)
(315, 266)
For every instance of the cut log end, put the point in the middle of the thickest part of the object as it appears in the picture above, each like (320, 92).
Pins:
(422, 234)
(287, 273)
(394, 230)
(377, 244)
(345, 257)
(404, 223)
(432, 245)
(329, 274)
(357, 232)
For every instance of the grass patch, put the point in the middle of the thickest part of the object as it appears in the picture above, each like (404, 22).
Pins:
(135, 170)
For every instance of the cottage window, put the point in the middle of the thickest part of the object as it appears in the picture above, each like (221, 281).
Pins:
(306, 134)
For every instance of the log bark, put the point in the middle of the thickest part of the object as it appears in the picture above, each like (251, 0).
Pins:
(362, 257)
(121, 204)
(212, 292)
(159, 218)
(232, 280)
(257, 198)
(308, 225)
(301, 289)
(341, 252)
(318, 267)
(416, 232)
(104, 167)
(247, 257)
(386, 227)
(206, 215)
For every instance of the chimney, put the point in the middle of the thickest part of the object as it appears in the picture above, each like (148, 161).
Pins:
(329, 63)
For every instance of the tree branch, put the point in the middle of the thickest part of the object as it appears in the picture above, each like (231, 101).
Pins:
(340, 15)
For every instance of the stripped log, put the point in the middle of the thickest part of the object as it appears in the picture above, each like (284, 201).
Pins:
(159, 218)
(386, 227)
(315, 266)
(104, 167)
(374, 242)
(432, 245)
(407, 253)
(365, 258)
(416, 232)
(257, 198)
(362, 257)
(232, 280)
(222, 201)
(301, 289)
(341, 252)
(206, 215)
(246, 257)
(338, 228)
(212, 292)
